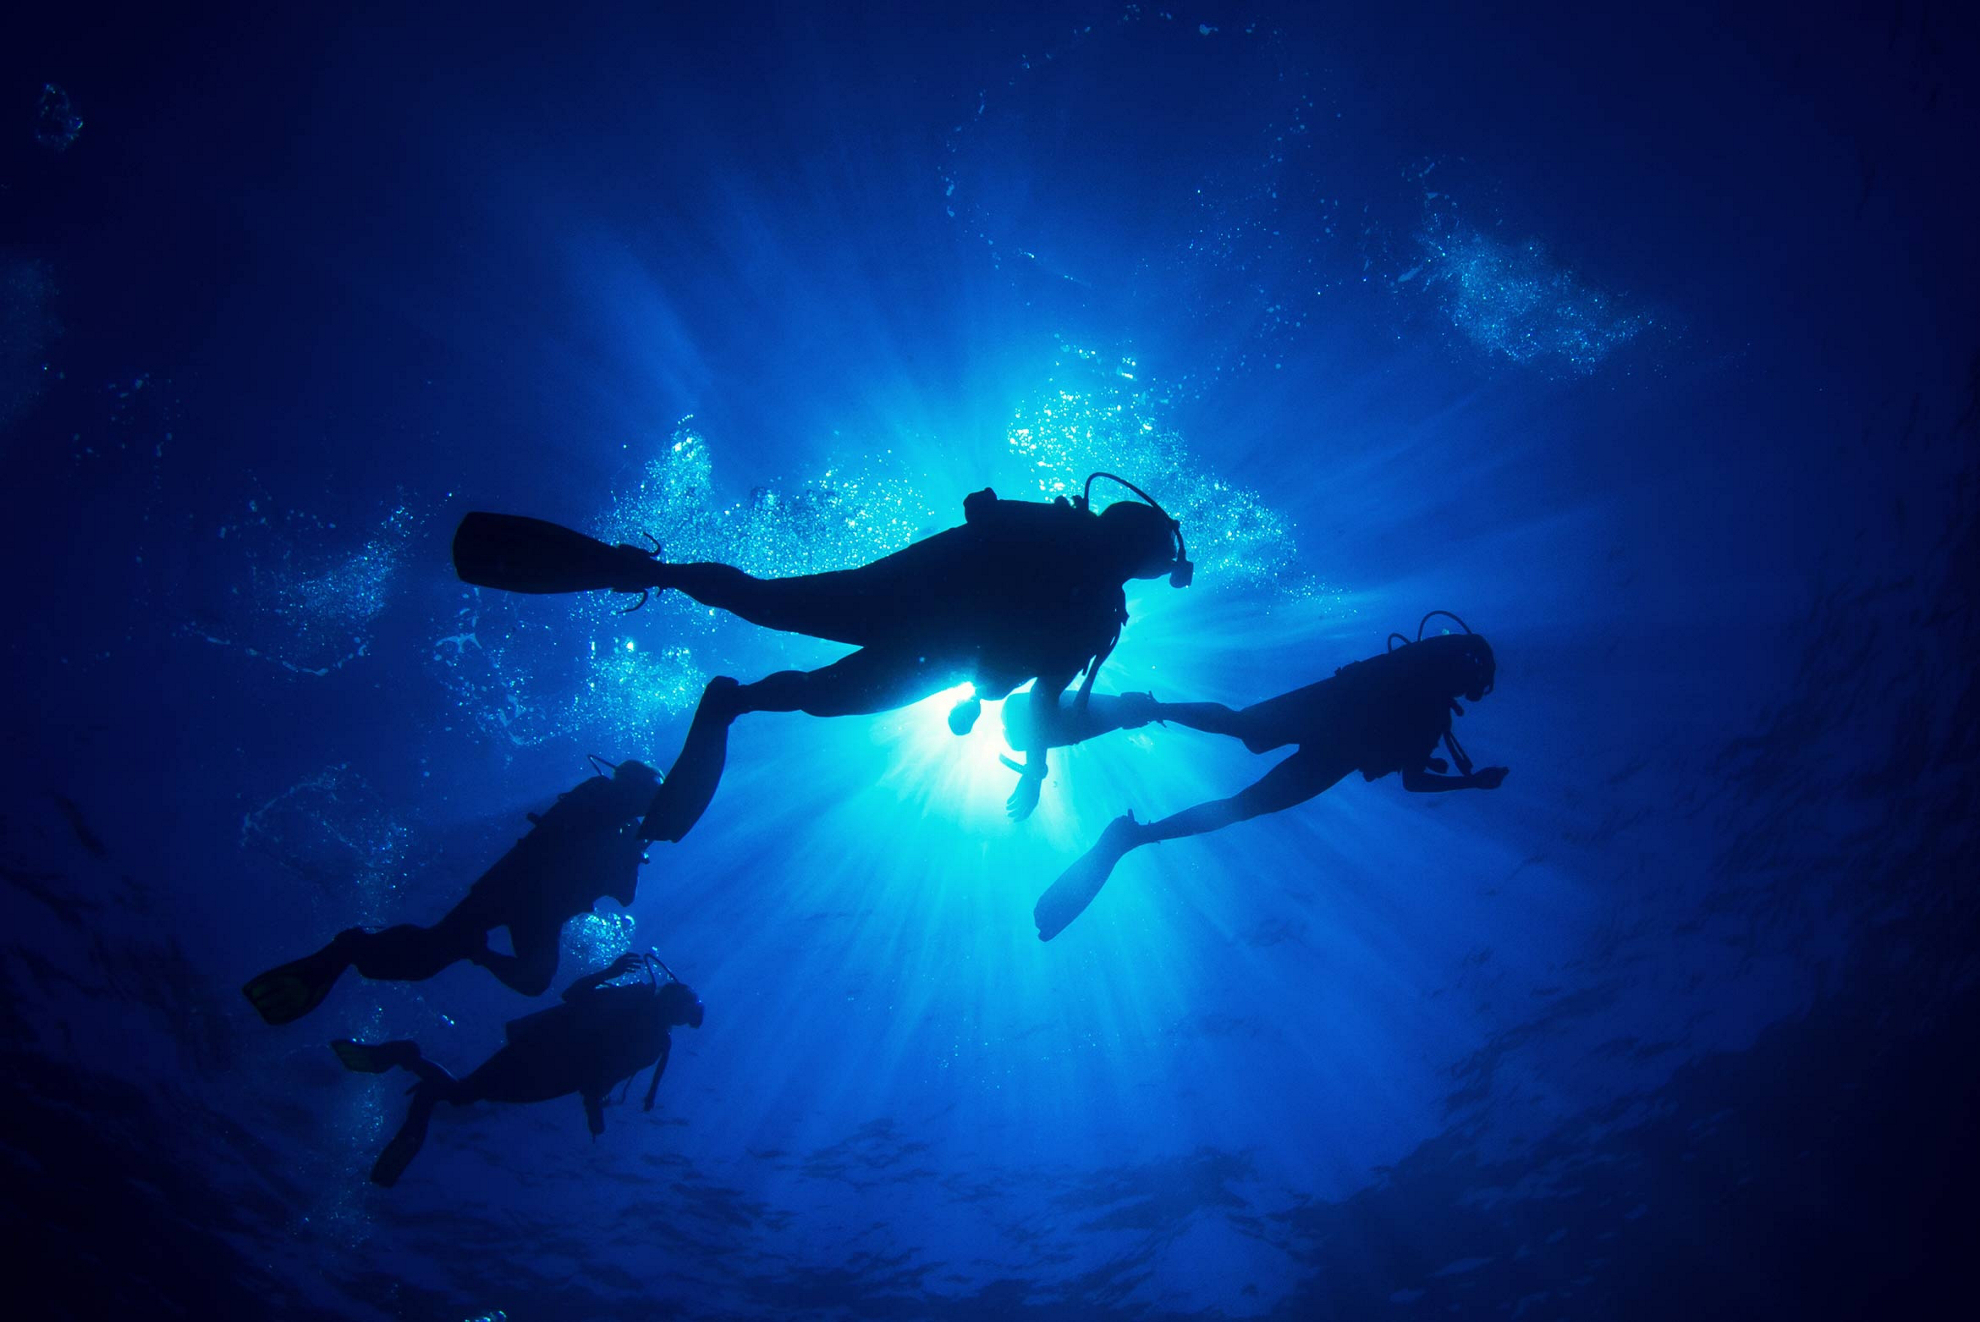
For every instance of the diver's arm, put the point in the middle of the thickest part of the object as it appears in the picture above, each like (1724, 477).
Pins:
(1045, 693)
(1420, 780)
(591, 982)
(659, 1068)
(1103, 714)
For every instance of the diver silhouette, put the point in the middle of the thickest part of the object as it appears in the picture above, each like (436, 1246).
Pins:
(580, 850)
(599, 1036)
(1385, 714)
(1023, 590)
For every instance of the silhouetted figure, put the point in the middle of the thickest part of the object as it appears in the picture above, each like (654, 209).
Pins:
(599, 1036)
(1022, 591)
(582, 849)
(1385, 714)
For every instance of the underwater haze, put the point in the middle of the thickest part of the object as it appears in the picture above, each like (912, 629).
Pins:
(1644, 339)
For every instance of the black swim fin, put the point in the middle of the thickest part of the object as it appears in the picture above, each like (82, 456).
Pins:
(519, 554)
(691, 782)
(1067, 898)
(405, 1144)
(284, 995)
(376, 1057)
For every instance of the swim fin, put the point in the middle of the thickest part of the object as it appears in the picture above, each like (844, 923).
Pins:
(376, 1057)
(520, 554)
(405, 1144)
(691, 782)
(1067, 898)
(284, 995)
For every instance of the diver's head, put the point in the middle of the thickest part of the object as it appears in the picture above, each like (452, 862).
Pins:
(1146, 543)
(1143, 540)
(679, 1004)
(1458, 664)
(632, 785)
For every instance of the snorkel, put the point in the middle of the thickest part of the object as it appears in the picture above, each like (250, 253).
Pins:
(1181, 572)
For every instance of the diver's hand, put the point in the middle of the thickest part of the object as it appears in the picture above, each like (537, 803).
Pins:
(1025, 797)
(1488, 778)
(1137, 710)
(623, 965)
(962, 716)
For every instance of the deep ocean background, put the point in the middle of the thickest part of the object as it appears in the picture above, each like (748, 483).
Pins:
(1648, 342)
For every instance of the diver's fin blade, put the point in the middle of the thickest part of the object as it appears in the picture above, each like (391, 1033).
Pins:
(519, 554)
(284, 995)
(405, 1144)
(1067, 898)
(691, 782)
(375, 1057)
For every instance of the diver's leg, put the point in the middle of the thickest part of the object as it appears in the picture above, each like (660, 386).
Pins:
(1294, 780)
(873, 679)
(1300, 777)
(435, 1085)
(1209, 717)
(377, 1057)
(869, 680)
(404, 953)
(407, 953)
(690, 783)
(537, 942)
(1104, 714)
(832, 605)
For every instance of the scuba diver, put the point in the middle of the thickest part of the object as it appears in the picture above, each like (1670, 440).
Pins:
(599, 1036)
(1021, 591)
(1384, 714)
(582, 848)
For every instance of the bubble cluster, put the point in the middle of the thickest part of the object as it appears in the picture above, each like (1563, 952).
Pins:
(1096, 416)
(1514, 301)
(334, 831)
(853, 512)
(593, 940)
(492, 663)
(56, 123)
(301, 605)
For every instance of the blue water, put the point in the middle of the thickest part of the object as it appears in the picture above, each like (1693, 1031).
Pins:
(1646, 342)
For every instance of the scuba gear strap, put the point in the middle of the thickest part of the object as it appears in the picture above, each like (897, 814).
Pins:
(1457, 752)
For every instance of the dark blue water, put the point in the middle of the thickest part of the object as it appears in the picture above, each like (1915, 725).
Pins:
(1647, 343)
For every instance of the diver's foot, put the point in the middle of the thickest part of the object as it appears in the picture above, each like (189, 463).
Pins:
(962, 716)
(722, 697)
(375, 1057)
(639, 570)
(1067, 898)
